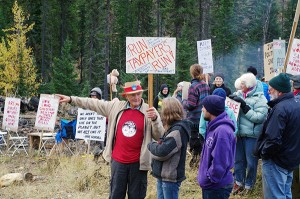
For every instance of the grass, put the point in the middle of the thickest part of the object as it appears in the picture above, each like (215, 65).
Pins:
(60, 177)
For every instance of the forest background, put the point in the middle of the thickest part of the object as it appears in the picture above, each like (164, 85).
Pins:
(69, 46)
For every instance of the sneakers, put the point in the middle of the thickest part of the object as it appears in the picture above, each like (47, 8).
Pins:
(237, 189)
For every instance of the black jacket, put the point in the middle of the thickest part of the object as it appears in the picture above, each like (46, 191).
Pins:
(280, 137)
(227, 90)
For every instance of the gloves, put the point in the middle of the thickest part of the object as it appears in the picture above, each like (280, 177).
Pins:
(245, 108)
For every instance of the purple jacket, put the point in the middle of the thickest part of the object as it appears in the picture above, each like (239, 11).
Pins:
(218, 154)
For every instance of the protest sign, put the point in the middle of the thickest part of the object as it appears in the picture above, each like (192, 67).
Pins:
(11, 114)
(205, 55)
(234, 106)
(47, 112)
(185, 89)
(90, 125)
(279, 53)
(293, 65)
(268, 61)
(150, 55)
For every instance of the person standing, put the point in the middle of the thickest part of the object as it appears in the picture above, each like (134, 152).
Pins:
(296, 86)
(131, 126)
(178, 92)
(253, 112)
(219, 83)
(169, 153)
(193, 105)
(278, 145)
(163, 93)
(217, 159)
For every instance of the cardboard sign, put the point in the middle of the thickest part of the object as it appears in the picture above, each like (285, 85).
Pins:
(233, 105)
(152, 55)
(279, 53)
(205, 55)
(185, 89)
(11, 114)
(293, 65)
(47, 112)
(268, 61)
(90, 125)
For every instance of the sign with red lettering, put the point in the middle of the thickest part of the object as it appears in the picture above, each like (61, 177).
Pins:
(268, 61)
(205, 56)
(233, 105)
(11, 114)
(152, 55)
(293, 65)
(47, 112)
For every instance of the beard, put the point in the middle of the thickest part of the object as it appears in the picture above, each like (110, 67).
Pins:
(206, 118)
(274, 96)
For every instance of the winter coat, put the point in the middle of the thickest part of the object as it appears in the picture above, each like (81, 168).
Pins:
(227, 90)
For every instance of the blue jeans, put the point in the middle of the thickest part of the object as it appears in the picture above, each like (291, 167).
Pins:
(277, 181)
(167, 190)
(221, 193)
(245, 165)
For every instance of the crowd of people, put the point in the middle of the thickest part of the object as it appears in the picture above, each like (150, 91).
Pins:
(225, 149)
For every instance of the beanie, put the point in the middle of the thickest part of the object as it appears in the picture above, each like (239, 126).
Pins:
(252, 70)
(219, 75)
(296, 81)
(281, 83)
(214, 104)
(220, 92)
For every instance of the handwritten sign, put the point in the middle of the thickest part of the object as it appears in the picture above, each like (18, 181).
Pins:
(11, 114)
(90, 125)
(47, 112)
(153, 55)
(293, 66)
(205, 55)
(234, 106)
(268, 61)
(279, 53)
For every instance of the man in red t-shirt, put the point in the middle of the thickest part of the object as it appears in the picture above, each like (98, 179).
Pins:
(131, 126)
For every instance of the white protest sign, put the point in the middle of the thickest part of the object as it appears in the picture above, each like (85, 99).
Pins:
(11, 114)
(185, 89)
(152, 55)
(268, 61)
(205, 55)
(278, 53)
(90, 125)
(293, 65)
(234, 106)
(47, 112)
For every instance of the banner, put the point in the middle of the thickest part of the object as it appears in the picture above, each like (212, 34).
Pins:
(205, 55)
(152, 55)
(279, 53)
(11, 114)
(293, 65)
(233, 105)
(268, 61)
(90, 125)
(47, 112)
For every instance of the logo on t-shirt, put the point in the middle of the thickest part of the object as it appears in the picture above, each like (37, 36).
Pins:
(129, 129)
(209, 142)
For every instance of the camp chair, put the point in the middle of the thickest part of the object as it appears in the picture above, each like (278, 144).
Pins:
(65, 135)
(45, 140)
(16, 142)
(3, 141)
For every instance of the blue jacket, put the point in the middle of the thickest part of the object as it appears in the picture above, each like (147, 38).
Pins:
(218, 153)
(250, 124)
(280, 138)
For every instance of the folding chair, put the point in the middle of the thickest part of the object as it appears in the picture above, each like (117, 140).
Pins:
(45, 140)
(16, 142)
(3, 141)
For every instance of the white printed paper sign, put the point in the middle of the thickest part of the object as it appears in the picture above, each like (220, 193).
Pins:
(234, 106)
(152, 55)
(90, 125)
(47, 112)
(205, 56)
(293, 65)
(11, 114)
(278, 53)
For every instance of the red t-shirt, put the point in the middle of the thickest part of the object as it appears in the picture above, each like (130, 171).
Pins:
(129, 137)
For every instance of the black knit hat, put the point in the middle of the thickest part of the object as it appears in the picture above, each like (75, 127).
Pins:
(252, 70)
(214, 104)
(281, 83)
(219, 75)
(296, 81)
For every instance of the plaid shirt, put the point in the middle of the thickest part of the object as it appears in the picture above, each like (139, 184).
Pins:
(193, 105)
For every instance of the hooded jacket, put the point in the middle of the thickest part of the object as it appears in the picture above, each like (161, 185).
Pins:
(169, 154)
(158, 99)
(218, 154)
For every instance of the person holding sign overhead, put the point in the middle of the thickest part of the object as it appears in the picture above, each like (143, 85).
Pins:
(253, 112)
(131, 127)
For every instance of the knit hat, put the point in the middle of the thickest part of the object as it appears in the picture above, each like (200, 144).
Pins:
(248, 79)
(296, 81)
(220, 92)
(219, 75)
(252, 70)
(214, 104)
(281, 83)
